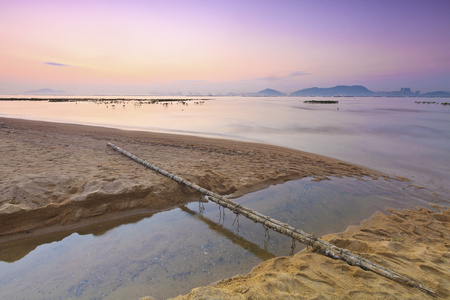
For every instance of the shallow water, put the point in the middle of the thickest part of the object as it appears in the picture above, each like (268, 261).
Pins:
(169, 253)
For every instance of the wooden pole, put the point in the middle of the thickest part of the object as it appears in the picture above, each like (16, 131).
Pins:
(318, 245)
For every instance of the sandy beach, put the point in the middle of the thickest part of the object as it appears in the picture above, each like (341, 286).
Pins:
(59, 176)
(62, 175)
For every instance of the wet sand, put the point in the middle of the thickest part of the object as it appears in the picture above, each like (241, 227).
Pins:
(414, 243)
(60, 176)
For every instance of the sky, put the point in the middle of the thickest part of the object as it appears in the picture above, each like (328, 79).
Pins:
(138, 47)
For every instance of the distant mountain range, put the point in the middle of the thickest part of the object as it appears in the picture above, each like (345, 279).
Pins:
(336, 91)
(267, 93)
(347, 91)
(45, 91)
(340, 90)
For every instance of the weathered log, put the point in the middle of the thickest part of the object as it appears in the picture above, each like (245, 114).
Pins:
(318, 245)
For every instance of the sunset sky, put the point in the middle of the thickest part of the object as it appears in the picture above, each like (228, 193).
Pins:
(140, 47)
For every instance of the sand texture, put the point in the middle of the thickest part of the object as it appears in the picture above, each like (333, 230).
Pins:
(411, 242)
(63, 174)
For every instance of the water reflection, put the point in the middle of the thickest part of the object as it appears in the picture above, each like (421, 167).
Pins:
(16, 249)
(172, 252)
(256, 250)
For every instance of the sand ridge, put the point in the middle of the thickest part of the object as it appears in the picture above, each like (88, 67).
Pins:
(63, 174)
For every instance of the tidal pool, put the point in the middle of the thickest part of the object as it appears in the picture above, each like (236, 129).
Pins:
(169, 253)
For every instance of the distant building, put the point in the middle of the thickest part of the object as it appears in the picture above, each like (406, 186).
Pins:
(406, 92)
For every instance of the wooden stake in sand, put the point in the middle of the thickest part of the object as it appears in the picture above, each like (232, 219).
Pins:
(318, 245)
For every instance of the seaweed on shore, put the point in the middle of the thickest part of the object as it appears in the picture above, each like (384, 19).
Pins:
(321, 101)
(104, 99)
(432, 102)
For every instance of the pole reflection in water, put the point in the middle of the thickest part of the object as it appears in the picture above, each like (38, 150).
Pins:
(262, 254)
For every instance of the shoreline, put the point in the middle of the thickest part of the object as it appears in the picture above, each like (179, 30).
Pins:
(58, 174)
(61, 177)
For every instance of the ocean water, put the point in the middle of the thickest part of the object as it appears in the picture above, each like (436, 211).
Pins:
(167, 253)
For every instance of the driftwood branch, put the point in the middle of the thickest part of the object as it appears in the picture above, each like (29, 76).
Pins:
(318, 245)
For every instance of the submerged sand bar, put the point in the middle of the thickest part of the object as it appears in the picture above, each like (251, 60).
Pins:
(63, 174)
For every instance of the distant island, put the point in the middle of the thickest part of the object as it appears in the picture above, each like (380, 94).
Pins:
(267, 93)
(437, 94)
(340, 90)
(45, 91)
(345, 91)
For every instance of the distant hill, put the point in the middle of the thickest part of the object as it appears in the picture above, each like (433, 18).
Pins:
(437, 94)
(45, 91)
(267, 93)
(340, 90)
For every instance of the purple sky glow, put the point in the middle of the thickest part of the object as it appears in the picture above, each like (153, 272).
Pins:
(142, 47)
